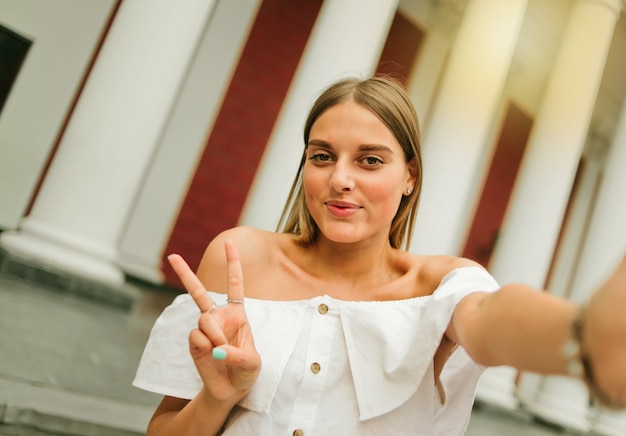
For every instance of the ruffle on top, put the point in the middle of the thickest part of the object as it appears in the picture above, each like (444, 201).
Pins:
(390, 344)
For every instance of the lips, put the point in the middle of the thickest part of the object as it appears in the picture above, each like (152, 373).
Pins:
(342, 209)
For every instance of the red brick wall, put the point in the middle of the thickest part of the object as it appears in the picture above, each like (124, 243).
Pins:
(235, 146)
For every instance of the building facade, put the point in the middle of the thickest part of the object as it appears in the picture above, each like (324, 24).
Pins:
(131, 129)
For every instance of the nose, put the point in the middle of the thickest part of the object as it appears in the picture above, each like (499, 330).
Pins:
(341, 179)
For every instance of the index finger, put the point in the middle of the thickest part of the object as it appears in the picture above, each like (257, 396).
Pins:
(191, 282)
(235, 273)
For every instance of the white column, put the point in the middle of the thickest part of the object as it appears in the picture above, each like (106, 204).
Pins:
(605, 245)
(82, 207)
(605, 242)
(551, 394)
(442, 19)
(43, 91)
(532, 223)
(347, 39)
(460, 123)
(531, 228)
(184, 138)
(422, 84)
(455, 140)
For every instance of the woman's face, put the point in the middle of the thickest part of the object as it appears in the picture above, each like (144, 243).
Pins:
(355, 174)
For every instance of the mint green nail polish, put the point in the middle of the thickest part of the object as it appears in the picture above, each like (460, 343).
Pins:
(219, 353)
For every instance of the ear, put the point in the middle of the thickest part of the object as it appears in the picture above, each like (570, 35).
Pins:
(412, 169)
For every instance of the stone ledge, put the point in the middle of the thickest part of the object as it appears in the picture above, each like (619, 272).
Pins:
(53, 278)
(32, 409)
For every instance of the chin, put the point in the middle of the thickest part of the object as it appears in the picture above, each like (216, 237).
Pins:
(339, 237)
(344, 232)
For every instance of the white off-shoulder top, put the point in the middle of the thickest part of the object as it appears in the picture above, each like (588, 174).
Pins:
(334, 367)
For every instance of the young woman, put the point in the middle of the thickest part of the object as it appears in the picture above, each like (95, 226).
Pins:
(343, 331)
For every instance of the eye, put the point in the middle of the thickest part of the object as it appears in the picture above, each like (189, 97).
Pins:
(320, 157)
(371, 161)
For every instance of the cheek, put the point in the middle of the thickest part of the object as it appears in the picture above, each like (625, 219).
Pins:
(308, 182)
(387, 194)
(312, 183)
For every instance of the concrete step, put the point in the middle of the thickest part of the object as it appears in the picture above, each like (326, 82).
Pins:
(27, 409)
(55, 279)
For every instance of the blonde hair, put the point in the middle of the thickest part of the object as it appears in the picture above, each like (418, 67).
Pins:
(388, 100)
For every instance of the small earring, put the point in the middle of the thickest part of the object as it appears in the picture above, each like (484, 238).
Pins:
(408, 191)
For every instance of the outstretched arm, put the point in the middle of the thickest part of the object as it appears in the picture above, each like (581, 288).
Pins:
(521, 327)
(516, 326)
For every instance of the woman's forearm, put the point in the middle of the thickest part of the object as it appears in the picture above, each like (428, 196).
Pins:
(516, 326)
(200, 416)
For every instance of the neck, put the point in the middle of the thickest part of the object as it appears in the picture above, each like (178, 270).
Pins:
(363, 264)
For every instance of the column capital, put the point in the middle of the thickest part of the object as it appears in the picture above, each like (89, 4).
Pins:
(615, 5)
(447, 14)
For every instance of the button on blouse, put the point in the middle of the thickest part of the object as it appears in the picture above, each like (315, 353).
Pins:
(325, 331)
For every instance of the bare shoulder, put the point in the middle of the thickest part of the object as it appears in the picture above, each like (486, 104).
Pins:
(256, 247)
(432, 269)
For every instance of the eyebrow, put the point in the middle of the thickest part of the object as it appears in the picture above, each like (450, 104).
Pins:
(362, 147)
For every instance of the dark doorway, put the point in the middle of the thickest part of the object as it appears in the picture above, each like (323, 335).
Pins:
(13, 50)
(494, 199)
(401, 48)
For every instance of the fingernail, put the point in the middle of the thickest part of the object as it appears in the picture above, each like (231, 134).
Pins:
(219, 353)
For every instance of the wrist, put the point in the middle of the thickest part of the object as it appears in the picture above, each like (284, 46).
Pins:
(225, 403)
(577, 352)
(574, 352)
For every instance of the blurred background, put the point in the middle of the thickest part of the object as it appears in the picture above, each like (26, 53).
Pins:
(131, 129)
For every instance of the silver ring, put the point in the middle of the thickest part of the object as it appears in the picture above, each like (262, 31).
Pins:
(232, 300)
(210, 309)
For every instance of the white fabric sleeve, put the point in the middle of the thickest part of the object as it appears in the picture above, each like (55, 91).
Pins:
(166, 367)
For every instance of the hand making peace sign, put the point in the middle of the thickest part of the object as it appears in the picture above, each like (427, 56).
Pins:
(222, 346)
